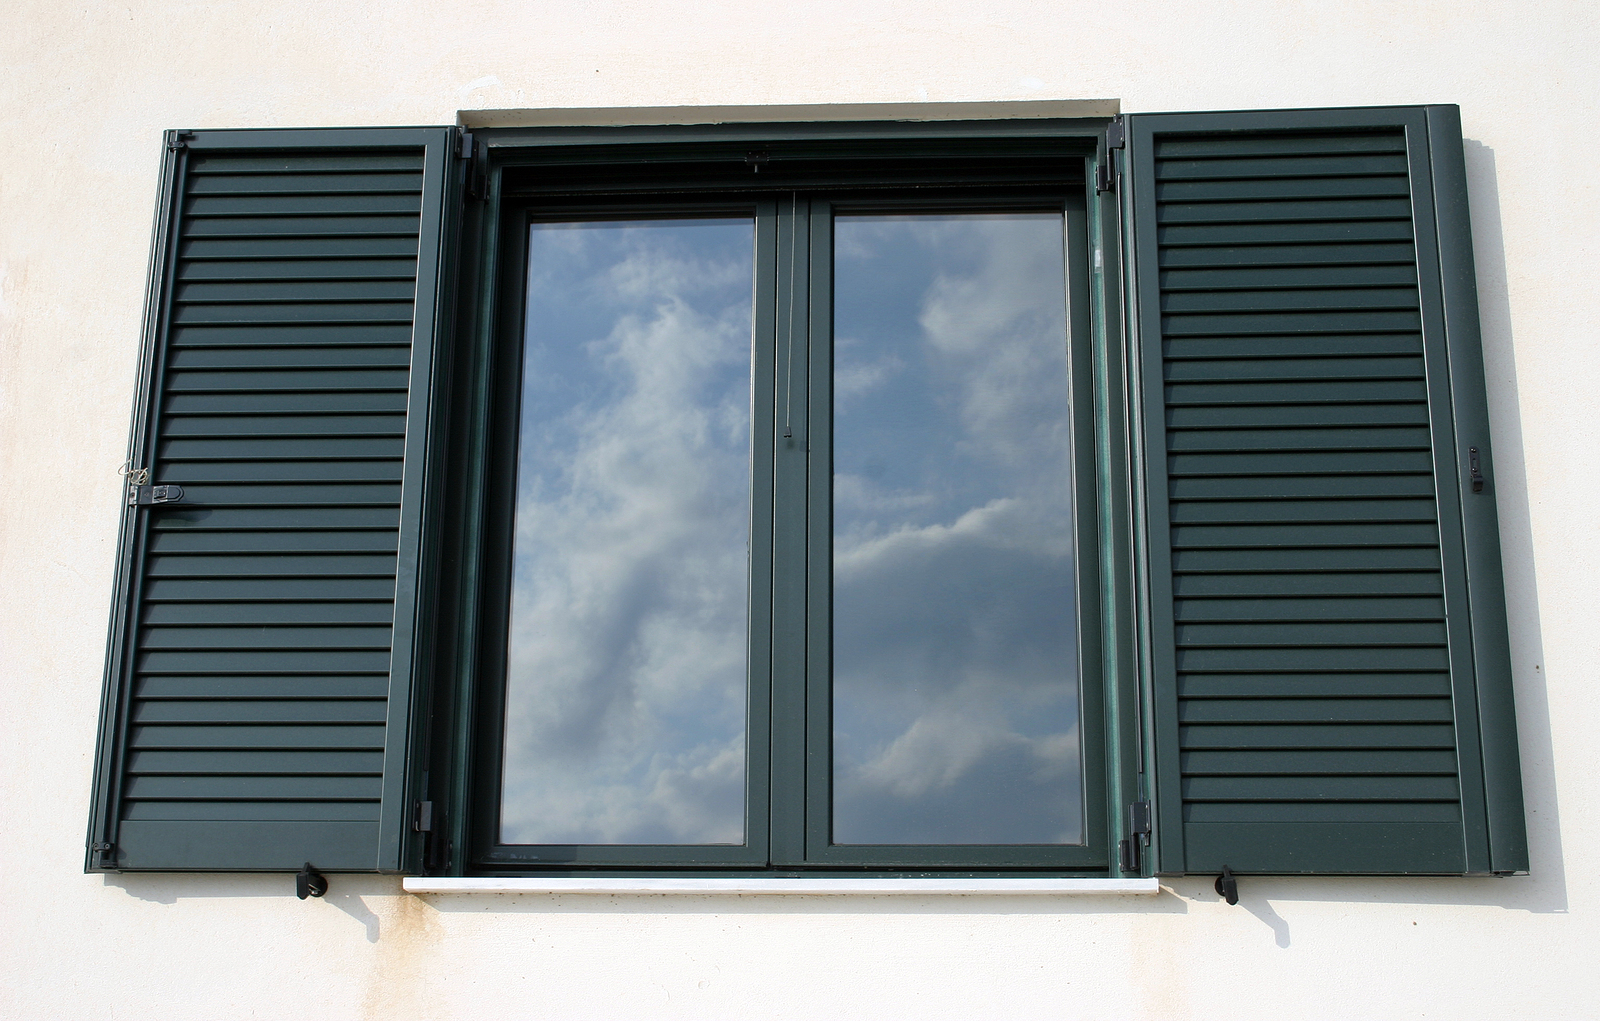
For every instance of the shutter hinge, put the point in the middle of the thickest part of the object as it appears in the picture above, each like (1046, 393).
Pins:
(422, 819)
(1105, 176)
(476, 153)
(105, 854)
(178, 140)
(1474, 470)
(1130, 852)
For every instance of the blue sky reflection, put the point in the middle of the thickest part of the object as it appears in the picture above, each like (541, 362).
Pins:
(954, 641)
(625, 707)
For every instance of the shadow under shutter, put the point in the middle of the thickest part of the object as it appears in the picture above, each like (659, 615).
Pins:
(1330, 672)
(262, 671)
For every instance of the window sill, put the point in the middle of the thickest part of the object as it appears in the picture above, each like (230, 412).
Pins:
(803, 887)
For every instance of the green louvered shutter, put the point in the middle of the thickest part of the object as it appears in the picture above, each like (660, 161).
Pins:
(1331, 675)
(264, 659)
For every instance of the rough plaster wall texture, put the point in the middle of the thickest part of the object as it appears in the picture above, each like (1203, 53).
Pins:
(86, 89)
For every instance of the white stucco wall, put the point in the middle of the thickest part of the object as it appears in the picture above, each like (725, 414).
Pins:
(85, 90)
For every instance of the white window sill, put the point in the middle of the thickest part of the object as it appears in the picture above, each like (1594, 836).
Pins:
(819, 886)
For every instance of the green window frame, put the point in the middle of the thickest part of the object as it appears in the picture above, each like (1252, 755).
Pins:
(792, 189)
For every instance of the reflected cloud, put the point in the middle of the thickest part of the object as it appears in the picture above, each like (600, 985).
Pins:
(625, 708)
(954, 642)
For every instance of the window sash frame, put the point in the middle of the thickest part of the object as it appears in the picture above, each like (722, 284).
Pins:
(491, 275)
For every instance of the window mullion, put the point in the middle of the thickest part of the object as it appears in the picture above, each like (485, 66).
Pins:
(790, 443)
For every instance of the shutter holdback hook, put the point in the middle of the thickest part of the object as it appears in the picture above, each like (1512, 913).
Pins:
(1227, 886)
(308, 882)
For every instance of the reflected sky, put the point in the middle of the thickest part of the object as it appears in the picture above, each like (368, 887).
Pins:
(954, 625)
(625, 705)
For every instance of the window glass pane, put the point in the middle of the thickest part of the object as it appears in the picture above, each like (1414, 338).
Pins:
(626, 690)
(954, 623)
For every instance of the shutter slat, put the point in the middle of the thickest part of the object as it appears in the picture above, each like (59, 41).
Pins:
(307, 252)
(185, 472)
(1239, 512)
(1284, 234)
(304, 202)
(1321, 735)
(1315, 710)
(254, 788)
(1234, 167)
(1350, 608)
(257, 660)
(264, 614)
(355, 183)
(290, 402)
(1245, 145)
(290, 164)
(1321, 788)
(265, 686)
(303, 313)
(287, 738)
(255, 763)
(285, 637)
(1368, 684)
(1307, 583)
(292, 711)
(303, 227)
(1173, 189)
(340, 447)
(287, 425)
(1323, 762)
(1333, 369)
(1268, 536)
(1284, 257)
(299, 269)
(207, 518)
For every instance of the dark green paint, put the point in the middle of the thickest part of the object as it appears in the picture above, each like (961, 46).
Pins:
(1304, 379)
(259, 683)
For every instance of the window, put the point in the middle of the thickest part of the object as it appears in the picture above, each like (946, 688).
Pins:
(788, 483)
(880, 497)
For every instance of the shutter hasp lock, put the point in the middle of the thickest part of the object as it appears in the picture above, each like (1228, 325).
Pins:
(1227, 886)
(141, 493)
(308, 882)
(149, 496)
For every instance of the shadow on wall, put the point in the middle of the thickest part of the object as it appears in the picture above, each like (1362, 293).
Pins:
(1545, 889)
(345, 892)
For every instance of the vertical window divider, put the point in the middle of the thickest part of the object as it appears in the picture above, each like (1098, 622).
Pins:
(788, 803)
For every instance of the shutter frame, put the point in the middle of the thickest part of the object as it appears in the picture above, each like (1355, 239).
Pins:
(231, 841)
(1491, 835)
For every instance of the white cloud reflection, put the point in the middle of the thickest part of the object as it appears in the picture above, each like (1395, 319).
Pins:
(955, 712)
(626, 681)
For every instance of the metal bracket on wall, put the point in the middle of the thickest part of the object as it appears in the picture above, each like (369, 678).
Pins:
(308, 882)
(1227, 886)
